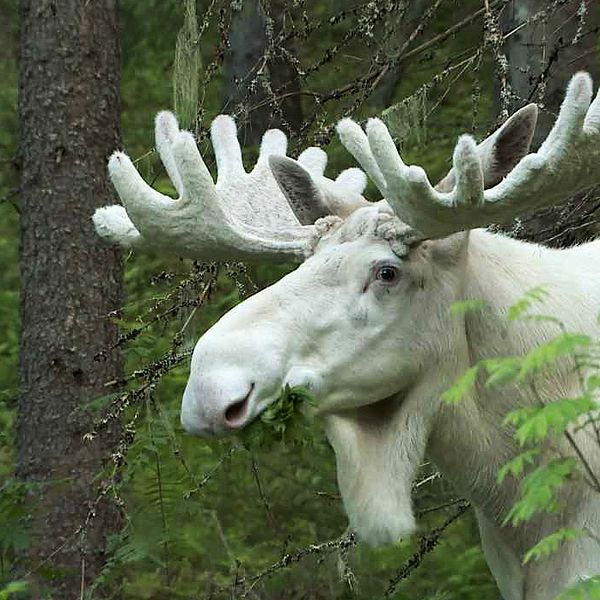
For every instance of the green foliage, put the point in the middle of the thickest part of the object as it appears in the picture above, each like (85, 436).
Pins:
(468, 306)
(14, 534)
(535, 423)
(9, 226)
(551, 543)
(545, 355)
(587, 589)
(516, 466)
(501, 370)
(461, 386)
(14, 587)
(281, 421)
(532, 297)
(539, 489)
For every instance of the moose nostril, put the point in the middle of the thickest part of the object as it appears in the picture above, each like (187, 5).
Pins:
(235, 415)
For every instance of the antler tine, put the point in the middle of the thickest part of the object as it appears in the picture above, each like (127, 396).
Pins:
(355, 141)
(566, 163)
(353, 179)
(166, 129)
(591, 124)
(571, 115)
(228, 153)
(242, 216)
(113, 224)
(314, 160)
(469, 174)
(273, 143)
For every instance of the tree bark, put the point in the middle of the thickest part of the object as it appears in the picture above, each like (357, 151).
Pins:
(248, 76)
(542, 57)
(383, 95)
(69, 115)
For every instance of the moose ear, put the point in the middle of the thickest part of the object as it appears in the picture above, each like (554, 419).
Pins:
(303, 196)
(502, 150)
(447, 252)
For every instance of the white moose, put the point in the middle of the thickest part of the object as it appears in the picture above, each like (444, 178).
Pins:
(364, 321)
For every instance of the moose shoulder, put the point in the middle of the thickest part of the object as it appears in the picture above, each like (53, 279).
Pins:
(364, 321)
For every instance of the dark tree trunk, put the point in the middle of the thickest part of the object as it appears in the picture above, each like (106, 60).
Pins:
(69, 114)
(263, 93)
(412, 15)
(542, 57)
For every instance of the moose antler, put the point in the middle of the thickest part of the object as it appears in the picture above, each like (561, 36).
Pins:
(567, 162)
(243, 216)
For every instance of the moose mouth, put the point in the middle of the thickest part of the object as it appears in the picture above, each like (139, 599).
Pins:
(236, 415)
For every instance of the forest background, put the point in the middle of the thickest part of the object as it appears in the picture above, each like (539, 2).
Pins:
(230, 518)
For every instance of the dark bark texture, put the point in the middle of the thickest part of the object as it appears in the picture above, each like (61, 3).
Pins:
(261, 84)
(542, 57)
(412, 15)
(71, 281)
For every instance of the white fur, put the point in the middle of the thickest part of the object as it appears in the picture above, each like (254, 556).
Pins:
(113, 224)
(314, 160)
(354, 179)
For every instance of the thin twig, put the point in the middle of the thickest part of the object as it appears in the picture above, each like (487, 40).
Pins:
(427, 543)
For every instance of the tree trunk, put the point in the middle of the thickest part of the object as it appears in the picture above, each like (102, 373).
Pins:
(69, 115)
(542, 57)
(263, 93)
(412, 15)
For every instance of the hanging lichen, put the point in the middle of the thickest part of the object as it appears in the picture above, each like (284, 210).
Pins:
(186, 67)
(407, 120)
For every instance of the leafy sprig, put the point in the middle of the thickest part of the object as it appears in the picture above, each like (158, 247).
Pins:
(281, 421)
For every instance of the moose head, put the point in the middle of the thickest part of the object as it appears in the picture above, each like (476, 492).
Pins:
(364, 321)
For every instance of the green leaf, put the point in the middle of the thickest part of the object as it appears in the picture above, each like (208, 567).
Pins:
(551, 543)
(547, 354)
(586, 589)
(543, 319)
(516, 466)
(467, 306)
(592, 383)
(519, 416)
(14, 587)
(534, 423)
(501, 370)
(279, 420)
(461, 386)
(533, 296)
(538, 489)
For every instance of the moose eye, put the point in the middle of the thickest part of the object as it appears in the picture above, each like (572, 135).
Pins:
(387, 273)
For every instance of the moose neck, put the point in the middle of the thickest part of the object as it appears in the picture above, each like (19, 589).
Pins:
(468, 441)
